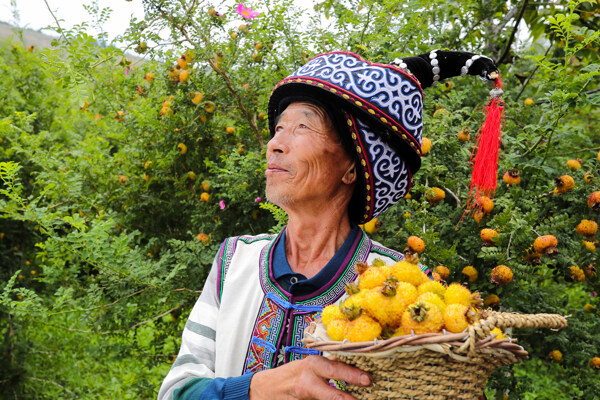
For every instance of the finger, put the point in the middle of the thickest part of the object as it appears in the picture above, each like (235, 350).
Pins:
(340, 371)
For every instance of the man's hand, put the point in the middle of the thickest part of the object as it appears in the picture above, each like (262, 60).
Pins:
(306, 379)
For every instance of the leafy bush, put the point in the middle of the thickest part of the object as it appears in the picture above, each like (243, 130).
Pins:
(117, 188)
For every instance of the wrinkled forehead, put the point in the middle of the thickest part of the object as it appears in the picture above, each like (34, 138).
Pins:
(311, 111)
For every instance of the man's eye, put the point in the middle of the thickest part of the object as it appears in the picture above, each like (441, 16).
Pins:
(302, 126)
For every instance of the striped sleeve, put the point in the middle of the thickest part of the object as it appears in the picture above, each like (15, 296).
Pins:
(196, 358)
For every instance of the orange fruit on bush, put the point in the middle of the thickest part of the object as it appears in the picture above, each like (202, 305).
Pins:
(511, 177)
(564, 184)
(183, 76)
(464, 134)
(425, 145)
(204, 196)
(416, 244)
(587, 227)
(203, 237)
(593, 200)
(182, 148)
(574, 164)
(487, 236)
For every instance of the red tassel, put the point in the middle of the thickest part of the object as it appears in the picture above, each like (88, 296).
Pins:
(484, 157)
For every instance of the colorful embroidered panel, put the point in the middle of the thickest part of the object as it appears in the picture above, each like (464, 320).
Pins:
(265, 336)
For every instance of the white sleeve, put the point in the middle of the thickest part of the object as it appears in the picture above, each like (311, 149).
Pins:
(196, 358)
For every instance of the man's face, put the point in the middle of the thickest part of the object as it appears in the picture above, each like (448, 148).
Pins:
(305, 159)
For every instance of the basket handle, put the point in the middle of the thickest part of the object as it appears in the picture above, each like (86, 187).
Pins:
(493, 319)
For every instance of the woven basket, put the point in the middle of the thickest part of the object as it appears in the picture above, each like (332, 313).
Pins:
(433, 366)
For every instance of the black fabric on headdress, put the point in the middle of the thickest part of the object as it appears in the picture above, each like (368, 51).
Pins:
(450, 63)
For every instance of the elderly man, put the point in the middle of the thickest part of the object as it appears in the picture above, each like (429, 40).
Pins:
(345, 143)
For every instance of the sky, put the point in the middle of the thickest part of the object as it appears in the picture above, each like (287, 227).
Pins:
(34, 14)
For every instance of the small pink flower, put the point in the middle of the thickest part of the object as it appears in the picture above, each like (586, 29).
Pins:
(256, 200)
(593, 294)
(127, 71)
(247, 13)
(222, 204)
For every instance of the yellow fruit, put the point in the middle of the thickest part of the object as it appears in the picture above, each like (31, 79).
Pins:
(182, 148)
(588, 307)
(434, 195)
(258, 46)
(432, 287)
(230, 130)
(595, 363)
(336, 329)
(588, 178)
(262, 116)
(387, 303)
(372, 226)
(556, 356)
(485, 203)
(204, 196)
(457, 294)
(528, 101)
(501, 275)
(443, 271)
(191, 175)
(355, 299)
(587, 227)
(497, 332)
(371, 276)
(441, 113)
(590, 246)
(203, 237)
(206, 186)
(183, 76)
(123, 179)
(405, 271)
(120, 116)
(491, 300)
(577, 274)
(564, 184)
(478, 215)
(362, 329)
(471, 273)
(197, 97)
(209, 107)
(425, 145)
(330, 313)
(488, 236)
(147, 164)
(511, 177)
(416, 244)
(182, 62)
(574, 164)
(464, 134)
(149, 77)
(430, 297)
(545, 244)
(422, 318)
(455, 318)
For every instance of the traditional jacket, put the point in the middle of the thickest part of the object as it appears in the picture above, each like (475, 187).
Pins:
(244, 321)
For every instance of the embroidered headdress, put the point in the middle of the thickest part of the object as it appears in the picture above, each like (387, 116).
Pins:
(380, 108)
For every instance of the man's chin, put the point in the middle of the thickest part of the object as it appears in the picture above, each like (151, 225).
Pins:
(279, 199)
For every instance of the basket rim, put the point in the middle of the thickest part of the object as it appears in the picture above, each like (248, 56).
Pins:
(476, 338)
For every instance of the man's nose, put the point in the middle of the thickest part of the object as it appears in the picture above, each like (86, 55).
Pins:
(278, 143)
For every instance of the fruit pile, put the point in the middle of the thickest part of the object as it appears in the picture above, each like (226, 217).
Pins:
(400, 299)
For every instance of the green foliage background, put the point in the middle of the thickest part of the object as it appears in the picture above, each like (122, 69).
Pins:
(99, 257)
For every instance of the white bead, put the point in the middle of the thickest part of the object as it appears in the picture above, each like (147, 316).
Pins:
(434, 62)
(464, 71)
(469, 63)
(436, 70)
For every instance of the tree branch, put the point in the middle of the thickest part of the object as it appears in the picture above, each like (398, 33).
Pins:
(512, 34)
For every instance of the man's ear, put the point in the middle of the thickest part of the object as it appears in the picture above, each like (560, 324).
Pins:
(350, 175)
